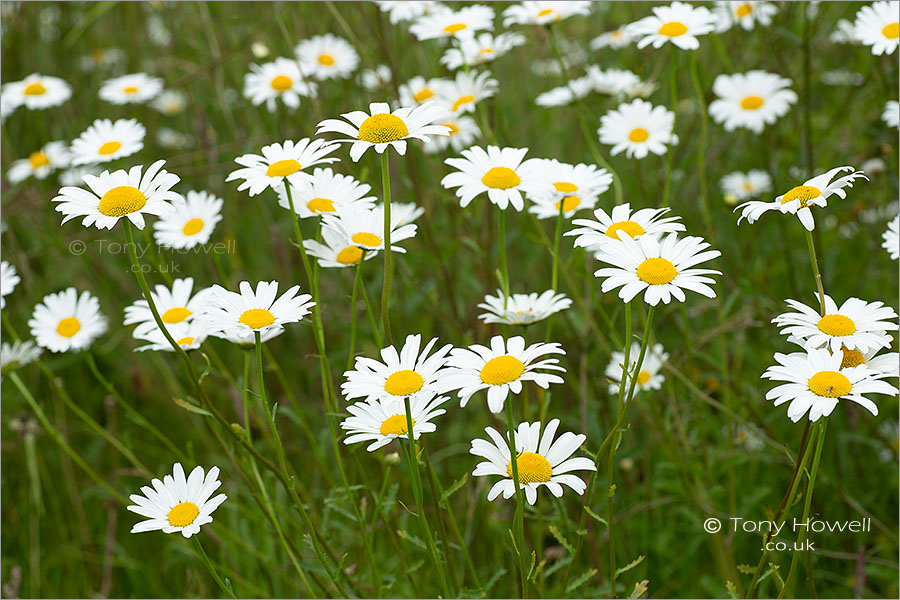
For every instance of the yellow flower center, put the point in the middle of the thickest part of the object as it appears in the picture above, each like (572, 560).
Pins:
(462, 100)
(502, 369)
(752, 102)
(453, 127)
(320, 205)
(852, 358)
(484, 51)
(501, 178)
(176, 315)
(183, 514)
(424, 94)
(121, 201)
(396, 425)
(68, 327)
(545, 12)
(891, 31)
(326, 59)
(365, 238)
(656, 271)
(837, 325)
(532, 468)
(743, 10)
(565, 187)
(130, 90)
(455, 27)
(192, 227)
(349, 255)
(747, 186)
(281, 83)
(283, 168)
(36, 89)
(38, 160)
(803, 193)
(383, 128)
(673, 29)
(257, 318)
(569, 203)
(185, 341)
(403, 383)
(829, 384)
(109, 148)
(638, 134)
(643, 377)
(630, 227)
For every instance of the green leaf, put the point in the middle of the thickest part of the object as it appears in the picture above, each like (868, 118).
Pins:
(411, 538)
(191, 407)
(732, 590)
(555, 532)
(640, 588)
(630, 565)
(581, 580)
(206, 369)
(450, 490)
(595, 516)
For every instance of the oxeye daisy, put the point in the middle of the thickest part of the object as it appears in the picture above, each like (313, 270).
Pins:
(751, 100)
(248, 312)
(383, 128)
(9, 279)
(325, 192)
(543, 12)
(816, 381)
(407, 10)
(39, 164)
(500, 172)
(105, 140)
(327, 56)
(365, 228)
(638, 128)
(280, 162)
(856, 325)
(892, 238)
(131, 89)
(170, 102)
(679, 23)
(280, 79)
(891, 113)
(247, 341)
(375, 79)
(466, 90)
(480, 49)
(574, 89)
(540, 461)
(464, 22)
(887, 363)
(522, 309)
(407, 212)
(745, 14)
(738, 186)
(648, 378)
(18, 354)
(188, 334)
(615, 39)
(336, 249)
(661, 268)
(568, 188)
(877, 26)
(191, 223)
(463, 132)
(606, 228)
(37, 92)
(797, 200)
(121, 194)
(67, 321)
(500, 369)
(613, 82)
(178, 504)
(75, 175)
(418, 90)
(384, 420)
(176, 306)
(844, 33)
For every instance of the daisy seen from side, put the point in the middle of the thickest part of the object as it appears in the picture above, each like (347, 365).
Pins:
(384, 420)
(449, 23)
(855, 325)
(37, 92)
(134, 88)
(176, 305)
(9, 279)
(41, 163)
(522, 309)
(608, 228)
(648, 378)
(325, 192)
(678, 24)
(279, 164)
(250, 311)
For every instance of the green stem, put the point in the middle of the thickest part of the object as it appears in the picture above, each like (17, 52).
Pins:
(224, 585)
(816, 273)
(386, 286)
(356, 281)
(504, 270)
(519, 517)
(673, 95)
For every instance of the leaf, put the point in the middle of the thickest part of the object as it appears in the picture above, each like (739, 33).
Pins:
(531, 568)
(630, 565)
(581, 580)
(494, 579)
(450, 490)
(640, 588)
(612, 490)
(411, 538)
(512, 538)
(412, 512)
(732, 591)
(555, 532)
(745, 569)
(191, 407)
(595, 516)
(205, 370)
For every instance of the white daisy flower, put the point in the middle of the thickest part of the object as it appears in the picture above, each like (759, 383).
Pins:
(75, 175)
(887, 363)
(375, 79)
(815, 382)
(563, 95)
(543, 12)
(176, 306)
(247, 340)
(8, 106)
(53, 156)
(638, 128)
(751, 100)
(384, 420)
(539, 461)
(131, 89)
(279, 163)
(480, 49)
(105, 140)
(892, 238)
(383, 128)
(18, 354)
(37, 92)
(327, 56)
(844, 33)
(191, 223)
(648, 378)
(406, 212)
(499, 172)
(280, 79)
(248, 312)
(738, 186)
(661, 268)
(461, 23)
(797, 200)
(325, 192)
(856, 325)
(463, 133)
(121, 194)
(407, 10)
(891, 113)
(679, 23)
(337, 250)
(500, 369)
(612, 82)
(745, 14)
(466, 90)
(364, 227)
(522, 309)
(188, 334)
(66, 321)
(594, 234)
(176, 504)
(618, 38)
(9, 279)
(567, 187)
(877, 26)
(418, 90)
(170, 102)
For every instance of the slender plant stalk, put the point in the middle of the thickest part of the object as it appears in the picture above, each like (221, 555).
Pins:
(504, 269)
(673, 100)
(816, 273)
(356, 281)
(224, 585)
(519, 517)
(386, 286)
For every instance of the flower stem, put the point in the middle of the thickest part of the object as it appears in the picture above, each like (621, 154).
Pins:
(225, 585)
(673, 95)
(386, 286)
(353, 311)
(504, 270)
(816, 273)
(520, 498)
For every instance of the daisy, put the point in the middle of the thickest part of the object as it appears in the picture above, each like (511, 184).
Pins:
(105, 140)
(745, 14)
(500, 369)
(280, 79)
(815, 382)
(892, 238)
(638, 128)
(191, 223)
(131, 89)
(66, 321)
(9, 279)
(648, 378)
(618, 38)
(887, 363)
(612, 81)
(737, 186)
(679, 23)
(325, 192)
(661, 268)
(121, 194)
(418, 90)
(574, 89)
(407, 10)
(466, 90)
(856, 325)
(170, 102)
(383, 128)
(17, 355)
(176, 306)
(543, 12)
(891, 113)
(594, 234)
(480, 49)
(178, 504)
(568, 188)
(522, 309)
(37, 92)
(751, 100)
(363, 227)
(461, 23)
(280, 163)
(877, 26)
(189, 335)
(247, 340)
(500, 172)
(337, 250)
(463, 133)
(844, 33)
(54, 155)
(797, 200)
(75, 175)
(384, 420)
(375, 79)
(249, 312)
(406, 212)
(539, 461)
(327, 56)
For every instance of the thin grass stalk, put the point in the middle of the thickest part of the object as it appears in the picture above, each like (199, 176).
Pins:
(519, 518)
(386, 285)
(223, 584)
